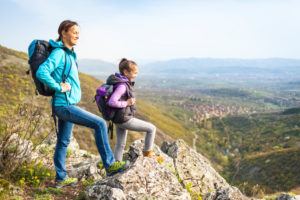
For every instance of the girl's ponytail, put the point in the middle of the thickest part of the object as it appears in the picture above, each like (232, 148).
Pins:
(126, 65)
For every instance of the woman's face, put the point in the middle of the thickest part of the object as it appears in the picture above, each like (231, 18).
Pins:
(71, 36)
(132, 74)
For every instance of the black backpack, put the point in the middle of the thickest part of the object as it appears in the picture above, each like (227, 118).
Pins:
(38, 52)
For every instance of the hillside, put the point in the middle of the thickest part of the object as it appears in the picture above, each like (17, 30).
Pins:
(255, 149)
(17, 88)
(275, 170)
(243, 147)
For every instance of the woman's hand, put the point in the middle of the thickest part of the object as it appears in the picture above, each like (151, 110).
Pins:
(130, 101)
(65, 87)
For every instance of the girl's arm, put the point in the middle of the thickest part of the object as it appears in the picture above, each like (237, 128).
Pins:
(114, 100)
(47, 67)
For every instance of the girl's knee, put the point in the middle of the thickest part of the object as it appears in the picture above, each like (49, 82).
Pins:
(121, 145)
(152, 128)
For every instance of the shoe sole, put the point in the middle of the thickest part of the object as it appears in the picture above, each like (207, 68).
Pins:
(61, 186)
(114, 172)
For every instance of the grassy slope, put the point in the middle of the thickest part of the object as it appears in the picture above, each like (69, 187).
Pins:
(277, 170)
(13, 66)
(266, 146)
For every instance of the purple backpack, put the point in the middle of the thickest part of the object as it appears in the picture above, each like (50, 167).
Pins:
(103, 94)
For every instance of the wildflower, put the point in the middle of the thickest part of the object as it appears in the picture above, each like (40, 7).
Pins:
(38, 181)
(36, 177)
(21, 181)
(40, 163)
(30, 171)
(48, 174)
(24, 166)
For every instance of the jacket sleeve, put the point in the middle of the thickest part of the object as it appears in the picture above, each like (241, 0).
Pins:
(114, 100)
(47, 67)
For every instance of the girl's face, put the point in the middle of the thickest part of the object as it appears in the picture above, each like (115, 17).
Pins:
(132, 74)
(71, 37)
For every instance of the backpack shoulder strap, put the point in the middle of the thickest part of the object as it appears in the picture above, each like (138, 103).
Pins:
(67, 67)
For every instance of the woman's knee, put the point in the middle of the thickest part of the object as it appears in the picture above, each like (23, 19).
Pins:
(100, 124)
(63, 143)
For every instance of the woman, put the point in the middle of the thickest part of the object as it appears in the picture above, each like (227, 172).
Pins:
(67, 96)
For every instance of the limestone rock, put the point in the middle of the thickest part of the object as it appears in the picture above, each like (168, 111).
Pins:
(136, 150)
(144, 179)
(196, 172)
(24, 147)
(284, 196)
(194, 168)
(84, 170)
(228, 193)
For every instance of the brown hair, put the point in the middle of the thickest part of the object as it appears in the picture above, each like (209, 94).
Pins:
(126, 64)
(64, 26)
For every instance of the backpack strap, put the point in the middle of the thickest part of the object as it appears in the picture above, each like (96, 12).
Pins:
(128, 92)
(111, 129)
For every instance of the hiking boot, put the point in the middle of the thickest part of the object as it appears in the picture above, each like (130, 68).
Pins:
(68, 182)
(149, 154)
(117, 166)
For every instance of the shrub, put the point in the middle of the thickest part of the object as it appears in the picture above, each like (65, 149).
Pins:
(4, 188)
(19, 126)
(32, 174)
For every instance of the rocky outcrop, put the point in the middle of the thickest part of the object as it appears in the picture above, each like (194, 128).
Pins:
(184, 174)
(195, 170)
(225, 193)
(284, 196)
(144, 179)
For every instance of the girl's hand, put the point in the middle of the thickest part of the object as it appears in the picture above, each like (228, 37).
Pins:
(65, 87)
(130, 101)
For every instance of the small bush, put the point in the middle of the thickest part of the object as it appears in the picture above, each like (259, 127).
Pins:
(88, 182)
(45, 149)
(4, 188)
(32, 174)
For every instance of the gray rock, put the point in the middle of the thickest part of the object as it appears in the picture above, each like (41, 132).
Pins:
(228, 193)
(136, 150)
(196, 172)
(84, 170)
(144, 179)
(284, 196)
(194, 168)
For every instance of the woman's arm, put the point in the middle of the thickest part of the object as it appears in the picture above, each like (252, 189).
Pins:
(47, 67)
(114, 100)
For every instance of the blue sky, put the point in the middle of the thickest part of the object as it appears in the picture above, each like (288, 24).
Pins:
(149, 30)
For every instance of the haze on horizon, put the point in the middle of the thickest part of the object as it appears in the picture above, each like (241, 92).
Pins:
(159, 30)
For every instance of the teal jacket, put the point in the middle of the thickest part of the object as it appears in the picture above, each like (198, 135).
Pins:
(50, 73)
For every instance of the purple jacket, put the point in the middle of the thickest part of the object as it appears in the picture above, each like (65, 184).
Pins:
(119, 91)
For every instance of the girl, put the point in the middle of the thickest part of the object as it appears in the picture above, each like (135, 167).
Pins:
(67, 96)
(123, 97)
